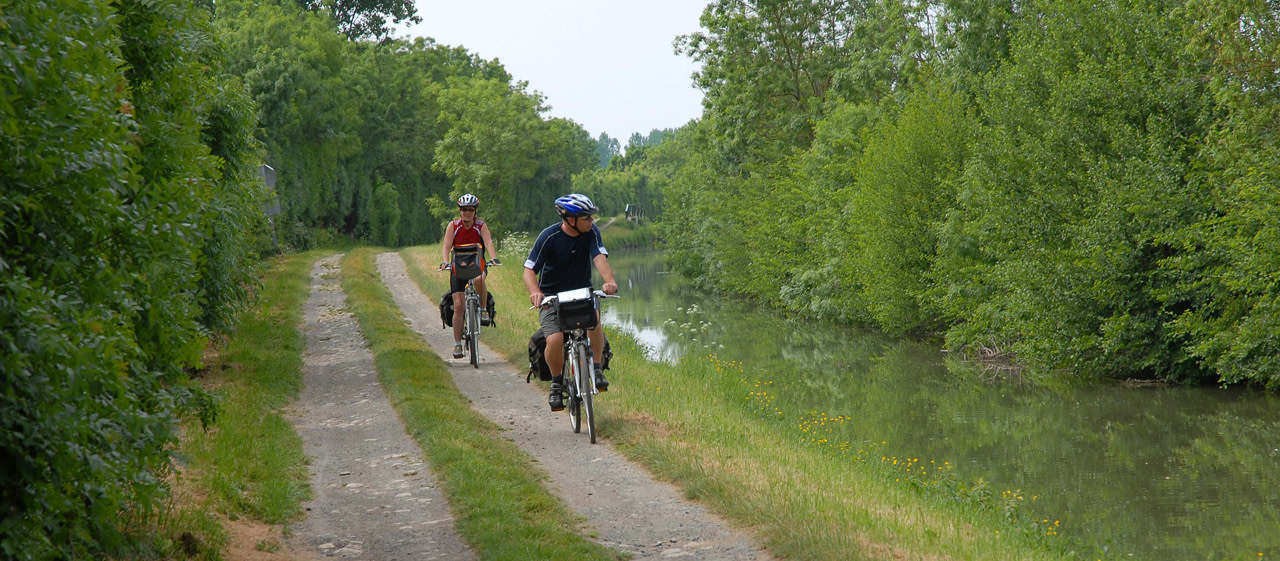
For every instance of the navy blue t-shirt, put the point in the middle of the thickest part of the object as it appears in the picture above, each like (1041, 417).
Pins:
(563, 262)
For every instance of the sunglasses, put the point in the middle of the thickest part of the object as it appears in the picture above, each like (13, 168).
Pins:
(467, 209)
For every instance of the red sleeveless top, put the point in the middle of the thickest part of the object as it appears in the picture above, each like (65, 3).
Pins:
(463, 235)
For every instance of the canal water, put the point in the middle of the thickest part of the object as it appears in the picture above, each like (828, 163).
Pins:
(1156, 473)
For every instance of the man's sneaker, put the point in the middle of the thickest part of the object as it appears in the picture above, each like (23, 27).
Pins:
(484, 317)
(602, 384)
(556, 399)
(457, 350)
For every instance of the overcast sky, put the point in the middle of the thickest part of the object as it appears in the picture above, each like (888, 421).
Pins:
(609, 65)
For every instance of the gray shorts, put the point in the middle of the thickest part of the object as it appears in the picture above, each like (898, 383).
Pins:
(549, 320)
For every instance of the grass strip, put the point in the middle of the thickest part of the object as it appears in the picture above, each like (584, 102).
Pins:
(698, 424)
(252, 462)
(497, 494)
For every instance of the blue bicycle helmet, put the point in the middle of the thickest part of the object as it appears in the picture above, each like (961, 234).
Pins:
(574, 204)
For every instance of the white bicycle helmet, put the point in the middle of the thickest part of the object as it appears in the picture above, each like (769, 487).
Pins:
(574, 204)
(468, 200)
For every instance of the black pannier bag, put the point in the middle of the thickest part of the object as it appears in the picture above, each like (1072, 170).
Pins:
(468, 261)
(538, 359)
(446, 310)
(576, 309)
(493, 312)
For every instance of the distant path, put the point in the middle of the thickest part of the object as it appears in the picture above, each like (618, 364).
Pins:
(628, 509)
(374, 496)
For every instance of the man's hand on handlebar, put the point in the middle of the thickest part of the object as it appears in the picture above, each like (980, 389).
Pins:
(443, 267)
(494, 262)
(536, 299)
(610, 288)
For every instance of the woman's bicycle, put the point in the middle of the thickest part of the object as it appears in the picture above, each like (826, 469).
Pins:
(471, 316)
(576, 312)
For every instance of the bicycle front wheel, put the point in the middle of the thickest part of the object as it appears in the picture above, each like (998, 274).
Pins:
(473, 327)
(586, 385)
(575, 397)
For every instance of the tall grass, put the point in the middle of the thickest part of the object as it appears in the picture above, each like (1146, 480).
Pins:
(250, 462)
(703, 424)
(497, 494)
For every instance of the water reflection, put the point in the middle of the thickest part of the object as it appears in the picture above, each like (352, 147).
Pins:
(1149, 473)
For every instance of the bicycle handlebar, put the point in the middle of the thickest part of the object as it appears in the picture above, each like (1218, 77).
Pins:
(490, 263)
(548, 299)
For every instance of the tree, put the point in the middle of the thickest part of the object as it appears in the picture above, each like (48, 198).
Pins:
(1053, 252)
(606, 148)
(489, 146)
(767, 66)
(131, 207)
(1228, 287)
(386, 215)
(365, 19)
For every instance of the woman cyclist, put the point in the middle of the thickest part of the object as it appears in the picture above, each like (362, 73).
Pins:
(467, 230)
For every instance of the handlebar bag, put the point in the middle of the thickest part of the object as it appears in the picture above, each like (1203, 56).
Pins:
(468, 261)
(576, 309)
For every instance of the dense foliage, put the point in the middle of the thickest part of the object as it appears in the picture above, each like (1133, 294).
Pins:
(132, 211)
(1085, 188)
(353, 125)
(128, 210)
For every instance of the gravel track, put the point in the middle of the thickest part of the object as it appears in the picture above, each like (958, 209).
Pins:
(376, 499)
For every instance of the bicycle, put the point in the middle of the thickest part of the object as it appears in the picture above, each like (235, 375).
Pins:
(471, 315)
(573, 307)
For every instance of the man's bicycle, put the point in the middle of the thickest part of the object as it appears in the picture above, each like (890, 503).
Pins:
(471, 316)
(572, 310)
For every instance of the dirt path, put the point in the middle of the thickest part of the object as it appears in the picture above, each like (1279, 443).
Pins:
(628, 509)
(374, 496)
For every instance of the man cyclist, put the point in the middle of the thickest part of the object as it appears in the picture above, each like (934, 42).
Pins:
(467, 230)
(561, 260)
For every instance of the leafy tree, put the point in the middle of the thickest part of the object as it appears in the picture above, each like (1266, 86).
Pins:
(767, 66)
(489, 146)
(1228, 287)
(129, 205)
(905, 187)
(974, 37)
(891, 42)
(386, 210)
(606, 148)
(1054, 251)
(365, 19)
(293, 63)
(563, 149)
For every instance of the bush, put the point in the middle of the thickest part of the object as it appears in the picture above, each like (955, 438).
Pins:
(123, 232)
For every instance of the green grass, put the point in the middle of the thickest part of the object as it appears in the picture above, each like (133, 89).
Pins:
(704, 426)
(496, 492)
(250, 462)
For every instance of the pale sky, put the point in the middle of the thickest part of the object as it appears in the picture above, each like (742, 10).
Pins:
(608, 65)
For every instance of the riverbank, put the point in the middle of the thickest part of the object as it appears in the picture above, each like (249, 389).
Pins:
(699, 424)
